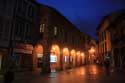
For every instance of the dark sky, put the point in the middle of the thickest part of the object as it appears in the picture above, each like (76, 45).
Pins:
(85, 14)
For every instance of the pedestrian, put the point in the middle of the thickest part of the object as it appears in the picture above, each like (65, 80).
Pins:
(107, 65)
(9, 75)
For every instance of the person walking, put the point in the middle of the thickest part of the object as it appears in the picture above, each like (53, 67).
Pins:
(107, 65)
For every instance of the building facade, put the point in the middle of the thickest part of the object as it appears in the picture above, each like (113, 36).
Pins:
(117, 32)
(61, 45)
(25, 25)
(38, 37)
(6, 15)
(104, 45)
(18, 28)
(107, 38)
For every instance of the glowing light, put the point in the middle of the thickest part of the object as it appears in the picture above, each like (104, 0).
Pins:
(92, 50)
(53, 48)
(82, 54)
(64, 50)
(71, 52)
(77, 53)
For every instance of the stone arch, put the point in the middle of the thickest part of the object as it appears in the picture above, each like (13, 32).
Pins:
(65, 57)
(38, 56)
(78, 58)
(73, 55)
(82, 58)
(54, 57)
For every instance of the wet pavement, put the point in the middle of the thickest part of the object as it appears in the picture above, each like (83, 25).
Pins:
(85, 74)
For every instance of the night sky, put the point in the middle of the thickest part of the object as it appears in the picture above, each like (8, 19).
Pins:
(85, 14)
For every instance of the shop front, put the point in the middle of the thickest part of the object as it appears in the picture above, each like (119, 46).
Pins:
(55, 58)
(38, 57)
(22, 56)
(65, 59)
(3, 58)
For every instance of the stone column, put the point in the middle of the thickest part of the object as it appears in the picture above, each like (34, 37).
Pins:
(61, 61)
(34, 61)
(46, 63)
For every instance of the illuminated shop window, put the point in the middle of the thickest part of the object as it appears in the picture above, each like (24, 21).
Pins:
(53, 58)
(65, 59)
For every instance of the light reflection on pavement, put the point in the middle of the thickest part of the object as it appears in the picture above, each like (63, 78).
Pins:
(85, 74)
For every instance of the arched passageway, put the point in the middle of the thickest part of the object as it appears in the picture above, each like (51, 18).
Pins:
(55, 57)
(82, 58)
(72, 58)
(38, 57)
(78, 58)
(65, 59)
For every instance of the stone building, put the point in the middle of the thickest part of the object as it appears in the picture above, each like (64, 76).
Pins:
(38, 37)
(104, 44)
(108, 32)
(6, 16)
(18, 28)
(24, 37)
(117, 32)
(61, 45)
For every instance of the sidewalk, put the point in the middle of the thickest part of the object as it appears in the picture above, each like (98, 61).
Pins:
(20, 77)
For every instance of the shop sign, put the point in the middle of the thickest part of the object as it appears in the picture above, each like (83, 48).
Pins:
(23, 48)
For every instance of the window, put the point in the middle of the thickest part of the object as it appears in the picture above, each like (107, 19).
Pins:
(60, 35)
(30, 10)
(100, 36)
(42, 27)
(55, 30)
(19, 30)
(21, 7)
(104, 35)
(28, 30)
(1, 27)
(53, 58)
(5, 30)
(24, 6)
(65, 35)
(7, 27)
